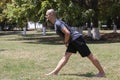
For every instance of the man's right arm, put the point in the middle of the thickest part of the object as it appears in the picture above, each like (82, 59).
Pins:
(67, 35)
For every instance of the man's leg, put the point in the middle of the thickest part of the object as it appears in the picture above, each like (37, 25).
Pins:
(61, 63)
(97, 65)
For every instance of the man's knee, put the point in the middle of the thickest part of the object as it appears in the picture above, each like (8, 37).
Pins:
(92, 58)
(67, 56)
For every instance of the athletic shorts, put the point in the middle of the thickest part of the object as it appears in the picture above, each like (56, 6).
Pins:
(80, 46)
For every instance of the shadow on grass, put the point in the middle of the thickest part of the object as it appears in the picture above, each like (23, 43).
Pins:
(32, 39)
(39, 35)
(37, 38)
(52, 39)
(100, 41)
(1, 50)
(46, 40)
(105, 38)
(4, 33)
(55, 40)
(78, 74)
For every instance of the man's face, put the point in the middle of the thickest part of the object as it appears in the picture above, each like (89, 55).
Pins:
(48, 15)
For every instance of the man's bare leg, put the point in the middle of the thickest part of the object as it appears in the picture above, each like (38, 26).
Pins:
(97, 65)
(61, 63)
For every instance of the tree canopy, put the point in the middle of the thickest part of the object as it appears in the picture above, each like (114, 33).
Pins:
(74, 12)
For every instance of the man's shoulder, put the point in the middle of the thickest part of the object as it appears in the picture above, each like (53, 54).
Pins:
(57, 22)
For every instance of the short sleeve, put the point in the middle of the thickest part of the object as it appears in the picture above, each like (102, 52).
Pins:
(60, 25)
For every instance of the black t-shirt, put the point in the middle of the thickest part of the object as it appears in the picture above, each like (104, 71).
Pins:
(58, 28)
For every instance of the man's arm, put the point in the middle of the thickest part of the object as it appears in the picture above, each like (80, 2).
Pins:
(67, 35)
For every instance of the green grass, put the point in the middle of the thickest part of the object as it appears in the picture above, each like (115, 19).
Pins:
(30, 57)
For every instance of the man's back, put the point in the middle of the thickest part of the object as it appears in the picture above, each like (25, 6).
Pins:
(60, 24)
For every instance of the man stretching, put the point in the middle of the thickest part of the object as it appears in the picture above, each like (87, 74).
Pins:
(74, 42)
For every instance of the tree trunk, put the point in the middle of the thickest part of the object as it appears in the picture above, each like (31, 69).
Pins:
(89, 34)
(116, 23)
(43, 29)
(35, 25)
(96, 33)
(80, 29)
(115, 28)
(88, 24)
(0, 28)
(24, 31)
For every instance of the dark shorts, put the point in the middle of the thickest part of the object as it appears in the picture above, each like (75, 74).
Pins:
(80, 46)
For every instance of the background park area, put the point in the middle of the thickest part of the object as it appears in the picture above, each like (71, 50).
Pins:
(30, 57)
(28, 54)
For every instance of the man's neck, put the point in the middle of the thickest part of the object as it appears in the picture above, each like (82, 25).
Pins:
(53, 21)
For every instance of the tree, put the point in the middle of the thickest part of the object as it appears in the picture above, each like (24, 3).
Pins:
(109, 9)
(68, 10)
(22, 11)
(47, 4)
(115, 12)
(2, 15)
(91, 4)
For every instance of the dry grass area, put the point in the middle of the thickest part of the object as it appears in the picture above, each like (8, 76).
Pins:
(30, 57)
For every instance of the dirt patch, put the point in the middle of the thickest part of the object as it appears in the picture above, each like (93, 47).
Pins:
(113, 37)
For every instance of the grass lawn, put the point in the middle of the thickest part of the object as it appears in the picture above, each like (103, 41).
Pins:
(30, 57)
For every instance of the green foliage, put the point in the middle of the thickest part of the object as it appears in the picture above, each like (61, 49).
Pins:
(1, 17)
(108, 8)
(44, 6)
(115, 9)
(87, 14)
(70, 12)
(74, 12)
(67, 10)
(2, 7)
(21, 11)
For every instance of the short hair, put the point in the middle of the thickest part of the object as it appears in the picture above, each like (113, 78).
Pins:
(51, 11)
